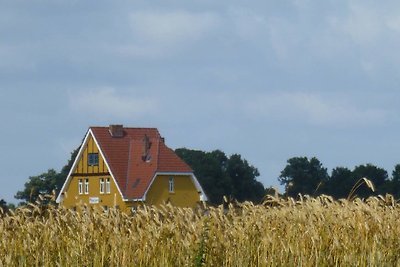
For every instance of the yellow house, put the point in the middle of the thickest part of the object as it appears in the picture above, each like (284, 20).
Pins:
(125, 167)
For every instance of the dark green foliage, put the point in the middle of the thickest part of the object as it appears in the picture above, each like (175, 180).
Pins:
(376, 175)
(42, 184)
(245, 186)
(210, 170)
(3, 206)
(340, 183)
(394, 185)
(222, 176)
(304, 176)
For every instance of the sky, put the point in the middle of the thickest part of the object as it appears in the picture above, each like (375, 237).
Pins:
(269, 80)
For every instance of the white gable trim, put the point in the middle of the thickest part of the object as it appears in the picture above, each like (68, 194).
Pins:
(108, 166)
(77, 159)
(203, 196)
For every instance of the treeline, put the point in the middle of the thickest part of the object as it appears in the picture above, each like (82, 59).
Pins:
(233, 177)
(308, 176)
(220, 175)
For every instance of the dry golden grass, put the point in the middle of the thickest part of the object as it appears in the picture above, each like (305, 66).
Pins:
(303, 232)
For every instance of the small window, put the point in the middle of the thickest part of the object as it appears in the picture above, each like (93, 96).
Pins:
(171, 184)
(108, 189)
(86, 186)
(80, 187)
(93, 159)
(101, 185)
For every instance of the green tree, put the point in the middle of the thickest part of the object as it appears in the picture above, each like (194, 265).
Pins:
(3, 205)
(394, 187)
(222, 176)
(243, 176)
(45, 183)
(304, 176)
(41, 184)
(210, 170)
(340, 183)
(378, 176)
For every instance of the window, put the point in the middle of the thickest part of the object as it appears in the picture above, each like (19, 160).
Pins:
(171, 184)
(93, 159)
(101, 185)
(108, 186)
(80, 187)
(86, 186)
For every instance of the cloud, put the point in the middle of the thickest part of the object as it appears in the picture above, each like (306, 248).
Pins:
(313, 109)
(106, 102)
(163, 34)
(172, 27)
(363, 24)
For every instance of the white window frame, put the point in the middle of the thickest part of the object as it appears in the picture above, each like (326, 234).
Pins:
(101, 185)
(108, 186)
(80, 187)
(171, 185)
(87, 186)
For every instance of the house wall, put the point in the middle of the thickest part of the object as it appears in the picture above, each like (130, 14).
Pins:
(185, 193)
(72, 198)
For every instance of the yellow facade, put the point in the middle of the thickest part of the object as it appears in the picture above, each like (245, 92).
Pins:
(88, 185)
(184, 193)
(94, 175)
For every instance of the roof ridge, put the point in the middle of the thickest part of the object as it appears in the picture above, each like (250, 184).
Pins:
(128, 171)
(106, 127)
(158, 152)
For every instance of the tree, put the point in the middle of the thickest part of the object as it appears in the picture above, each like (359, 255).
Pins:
(243, 176)
(3, 206)
(41, 184)
(210, 170)
(378, 176)
(394, 187)
(46, 182)
(222, 176)
(340, 183)
(303, 176)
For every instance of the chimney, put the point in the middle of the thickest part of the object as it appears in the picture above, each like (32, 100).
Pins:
(116, 130)
(146, 149)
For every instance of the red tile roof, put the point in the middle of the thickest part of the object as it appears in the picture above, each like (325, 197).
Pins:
(124, 156)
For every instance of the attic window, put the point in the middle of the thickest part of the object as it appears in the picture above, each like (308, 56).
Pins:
(93, 159)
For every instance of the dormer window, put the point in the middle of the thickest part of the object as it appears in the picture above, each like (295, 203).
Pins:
(93, 159)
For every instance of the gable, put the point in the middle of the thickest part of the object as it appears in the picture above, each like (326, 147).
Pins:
(132, 158)
(82, 167)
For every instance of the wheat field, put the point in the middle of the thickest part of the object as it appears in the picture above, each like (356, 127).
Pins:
(281, 232)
